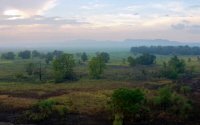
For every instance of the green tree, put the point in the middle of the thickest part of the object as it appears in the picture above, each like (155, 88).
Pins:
(126, 101)
(146, 59)
(96, 67)
(164, 98)
(84, 57)
(35, 69)
(173, 103)
(49, 57)
(131, 61)
(63, 67)
(35, 53)
(8, 56)
(105, 56)
(25, 54)
(174, 68)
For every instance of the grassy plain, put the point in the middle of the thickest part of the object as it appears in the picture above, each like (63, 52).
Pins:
(84, 96)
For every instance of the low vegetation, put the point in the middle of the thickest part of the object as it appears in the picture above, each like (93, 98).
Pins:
(139, 88)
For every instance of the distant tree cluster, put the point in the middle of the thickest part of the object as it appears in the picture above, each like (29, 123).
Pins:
(144, 59)
(8, 56)
(167, 50)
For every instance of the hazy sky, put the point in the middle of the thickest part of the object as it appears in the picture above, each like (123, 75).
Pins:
(64, 20)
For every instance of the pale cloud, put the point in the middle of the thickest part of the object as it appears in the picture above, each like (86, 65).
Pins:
(39, 20)
(26, 8)
(47, 6)
(93, 5)
(32, 20)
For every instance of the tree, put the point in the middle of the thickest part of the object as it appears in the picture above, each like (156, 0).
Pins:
(105, 56)
(164, 99)
(173, 103)
(25, 54)
(57, 53)
(35, 69)
(131, 61)
(63, 67)
(84, 57)
(49, 57)
(174, 67)
(8, 56)
(35, 53)
(126, 101)
(146, 59)
(167, 50)
(96, 67)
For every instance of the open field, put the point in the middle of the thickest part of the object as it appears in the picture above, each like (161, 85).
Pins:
(85, 99)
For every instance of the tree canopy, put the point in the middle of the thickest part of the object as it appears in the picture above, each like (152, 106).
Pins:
(96, 67)
(63, 67)
(167, 50)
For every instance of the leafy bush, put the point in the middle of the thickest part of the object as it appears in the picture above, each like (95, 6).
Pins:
(173, 103)
(164, 99)
(126, 102)
(45, 109)
(174, 68)
(185, 89)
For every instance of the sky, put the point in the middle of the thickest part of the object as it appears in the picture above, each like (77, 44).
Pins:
(28, 21)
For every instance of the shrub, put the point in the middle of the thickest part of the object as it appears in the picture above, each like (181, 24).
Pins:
(44, 110)
(173, 103)
(174, 68)
(126, 102)
(96, 67)
(164, 99)
(185, 89)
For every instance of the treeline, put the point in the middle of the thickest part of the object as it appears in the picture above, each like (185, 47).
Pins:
(167, 50)
(57, 64)
(27, 54)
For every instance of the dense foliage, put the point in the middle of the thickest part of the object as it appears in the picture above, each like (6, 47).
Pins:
(45, 109)
(96, 67)
(174, 68)
(105, 56)
(127, 100)
(63, 67)
(167, 50)
(25, 54)
(8, 56)
(144, 59)
(84, 57)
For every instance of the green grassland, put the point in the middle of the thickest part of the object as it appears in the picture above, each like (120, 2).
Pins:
(84, 96)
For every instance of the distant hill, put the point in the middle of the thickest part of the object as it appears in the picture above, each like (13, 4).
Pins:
(97, 45)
